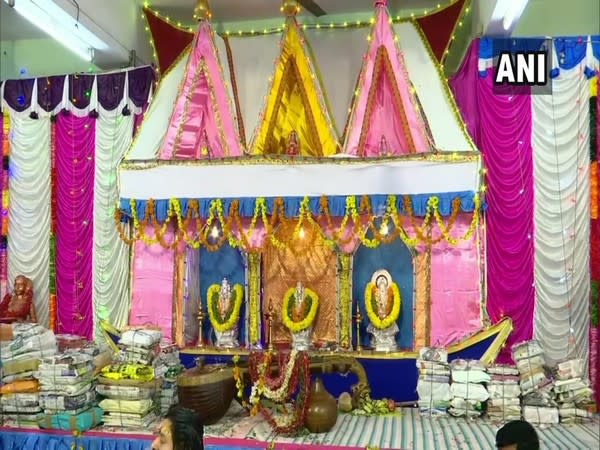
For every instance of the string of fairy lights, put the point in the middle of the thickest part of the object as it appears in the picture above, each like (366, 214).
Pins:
(317, 25)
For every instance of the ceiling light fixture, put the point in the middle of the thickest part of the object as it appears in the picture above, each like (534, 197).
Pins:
(508, 12)
(59, 25)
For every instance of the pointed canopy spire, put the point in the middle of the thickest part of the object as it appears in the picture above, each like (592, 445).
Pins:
(385, 114)
(202, 122)
(294, 119)
(202, 10)
(290, 8)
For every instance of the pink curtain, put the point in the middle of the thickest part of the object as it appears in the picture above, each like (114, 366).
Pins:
(455, 287)
(75, 144)
(152, 285)
(505, 140)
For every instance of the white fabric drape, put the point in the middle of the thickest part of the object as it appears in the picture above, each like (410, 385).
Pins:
(562, 216)
(111, 300)
(29, 211)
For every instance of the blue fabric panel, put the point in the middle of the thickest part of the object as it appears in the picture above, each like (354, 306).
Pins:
(36, 440)
(226, 262)
(570, 50)
(491, 47)
(337, 205)
(475, 351)
(596, 45)
(396, 258)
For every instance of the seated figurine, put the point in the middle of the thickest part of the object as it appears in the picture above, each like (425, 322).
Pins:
(382, 302)
(18, 306)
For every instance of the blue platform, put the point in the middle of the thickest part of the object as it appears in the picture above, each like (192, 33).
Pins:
(33, 439)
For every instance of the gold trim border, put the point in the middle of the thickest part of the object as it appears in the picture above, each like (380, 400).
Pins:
(445, 157)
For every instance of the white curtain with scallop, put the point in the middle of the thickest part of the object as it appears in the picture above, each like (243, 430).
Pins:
(29, 211)
(562, 216)
(111, 300)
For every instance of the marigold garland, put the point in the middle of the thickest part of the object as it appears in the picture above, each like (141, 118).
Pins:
(232, 315)
(390, 319)
(294, 375)
(289, 300)
(230, 228)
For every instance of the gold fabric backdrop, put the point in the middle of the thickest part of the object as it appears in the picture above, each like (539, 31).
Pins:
(314, 264)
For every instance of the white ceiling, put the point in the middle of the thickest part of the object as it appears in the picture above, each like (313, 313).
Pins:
(119, 23)
(244, 10)
(13, 26)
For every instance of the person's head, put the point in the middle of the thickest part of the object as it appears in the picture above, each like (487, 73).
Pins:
(381, 282)
(20, 284)
(517, 435)
(181, 430)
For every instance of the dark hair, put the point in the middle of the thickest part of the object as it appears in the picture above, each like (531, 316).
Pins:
(188, 430)
(518, 432)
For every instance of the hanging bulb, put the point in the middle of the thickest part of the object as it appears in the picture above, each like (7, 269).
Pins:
(384, 229)
(214, 232)
(301, 233)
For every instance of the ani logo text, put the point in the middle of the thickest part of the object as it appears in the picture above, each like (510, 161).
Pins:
(522, 69)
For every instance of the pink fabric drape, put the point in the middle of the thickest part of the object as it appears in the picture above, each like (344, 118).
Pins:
(152, 285)
(75, 144)
(202, 116)
(505, 140)
(385, 121)
(455, 287)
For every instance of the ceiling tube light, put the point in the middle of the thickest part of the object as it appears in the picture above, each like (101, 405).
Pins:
(512, 10)
(60, 26)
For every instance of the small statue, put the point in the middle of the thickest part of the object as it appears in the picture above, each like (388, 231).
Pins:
(224, 305)
(382, 302)
(203, 144)
(293, 144)
(383, 147)
(18, 306)
(300, 307)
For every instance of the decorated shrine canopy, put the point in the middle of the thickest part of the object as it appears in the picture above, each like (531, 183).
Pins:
(404, 138)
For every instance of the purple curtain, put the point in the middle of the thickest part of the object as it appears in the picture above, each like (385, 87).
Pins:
(501, 128)
(18, 93)
(75, 144)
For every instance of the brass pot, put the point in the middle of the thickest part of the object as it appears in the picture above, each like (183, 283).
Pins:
(322, 409)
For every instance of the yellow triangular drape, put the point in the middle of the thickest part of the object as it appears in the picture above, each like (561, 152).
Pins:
(295, 103)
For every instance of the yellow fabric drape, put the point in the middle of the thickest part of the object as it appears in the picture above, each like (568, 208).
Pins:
(295, 103)
(178, 326)
(316, 269)
(421, 298)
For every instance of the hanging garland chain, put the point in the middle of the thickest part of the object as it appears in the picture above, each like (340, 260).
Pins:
(219, 229)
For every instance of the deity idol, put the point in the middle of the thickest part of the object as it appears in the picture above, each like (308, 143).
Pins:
(224, 309)
(18, 306)
(293, 144)
(382, 302)
(299, 311)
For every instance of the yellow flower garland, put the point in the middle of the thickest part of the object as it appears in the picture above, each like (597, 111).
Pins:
(387, 321)
(212, 296)
(290, 324)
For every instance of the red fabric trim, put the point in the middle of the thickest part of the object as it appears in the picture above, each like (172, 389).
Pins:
(169, 41)
(439, 27)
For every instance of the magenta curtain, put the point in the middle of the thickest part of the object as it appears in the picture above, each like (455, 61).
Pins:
(501, 128)
(75, 143)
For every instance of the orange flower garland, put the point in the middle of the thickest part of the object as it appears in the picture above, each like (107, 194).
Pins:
(219, 228)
